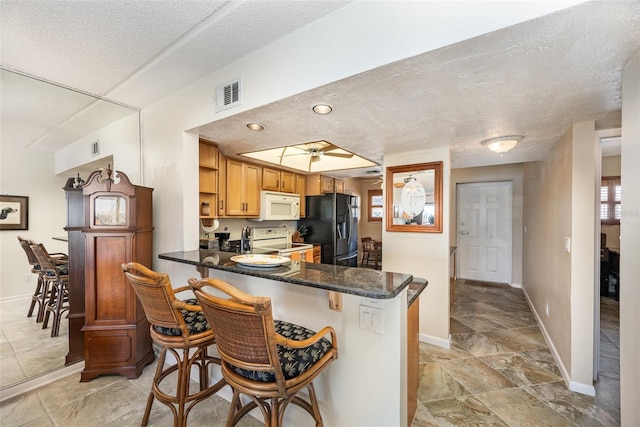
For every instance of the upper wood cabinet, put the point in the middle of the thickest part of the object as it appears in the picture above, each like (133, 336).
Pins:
(208, 178)
(244, 181)
(321, 184)
(278, 180)
(301, 189)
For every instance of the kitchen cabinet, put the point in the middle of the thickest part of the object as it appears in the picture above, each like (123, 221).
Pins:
(306, 256)
(318, 184)
(278, 180)
(118, 229)
(244, 181)
(301, 189)
(317, 253)
(208, 178)
(222, 184)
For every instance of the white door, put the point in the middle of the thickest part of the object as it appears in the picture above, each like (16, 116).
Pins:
(484, 231)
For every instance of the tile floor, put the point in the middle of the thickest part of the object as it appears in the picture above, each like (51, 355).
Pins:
(499, 371)
(27, 350)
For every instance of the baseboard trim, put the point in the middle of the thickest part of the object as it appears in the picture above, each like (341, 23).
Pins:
(42, 380)
(516, 285)
(581, 388)
(445, 343)
(571, 385)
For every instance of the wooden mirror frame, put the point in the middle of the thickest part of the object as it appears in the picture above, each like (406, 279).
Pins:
(393, 206)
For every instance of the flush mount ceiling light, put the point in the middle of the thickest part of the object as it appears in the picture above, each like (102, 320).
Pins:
(316, 156)
(502, 144)
(255, 126)
(322, 109)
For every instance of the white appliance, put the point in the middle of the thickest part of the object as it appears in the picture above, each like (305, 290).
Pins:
(275, 206)
(277, 239)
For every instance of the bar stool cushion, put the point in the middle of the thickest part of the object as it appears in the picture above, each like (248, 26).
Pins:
(195, 320)
(294, 361)
(62, 271)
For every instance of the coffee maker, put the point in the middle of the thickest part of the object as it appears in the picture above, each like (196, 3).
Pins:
(223, 241)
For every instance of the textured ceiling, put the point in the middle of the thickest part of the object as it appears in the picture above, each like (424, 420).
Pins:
(534, 78)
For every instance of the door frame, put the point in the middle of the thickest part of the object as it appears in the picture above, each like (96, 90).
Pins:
(509, 183)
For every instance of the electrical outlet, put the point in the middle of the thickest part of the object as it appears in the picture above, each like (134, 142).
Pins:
(27, 278)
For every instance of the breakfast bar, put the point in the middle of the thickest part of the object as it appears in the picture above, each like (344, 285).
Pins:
(369, 384)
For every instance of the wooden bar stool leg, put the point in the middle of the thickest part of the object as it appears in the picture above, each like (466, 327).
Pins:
(51, 301)
(45, 294)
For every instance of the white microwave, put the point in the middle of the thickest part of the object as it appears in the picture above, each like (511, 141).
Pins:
(275, 206)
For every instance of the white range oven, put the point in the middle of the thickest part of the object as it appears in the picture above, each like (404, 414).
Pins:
(279, 239)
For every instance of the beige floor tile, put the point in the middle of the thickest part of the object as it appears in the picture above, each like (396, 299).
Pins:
(21, 410)
(519, 369)
(476, 376)
(436, 383)
(519, 408)
(579, 408)
(463, 411)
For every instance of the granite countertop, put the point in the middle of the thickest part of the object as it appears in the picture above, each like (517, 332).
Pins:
(349, 280)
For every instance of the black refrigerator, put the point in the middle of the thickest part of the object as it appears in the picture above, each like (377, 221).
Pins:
(332, 221)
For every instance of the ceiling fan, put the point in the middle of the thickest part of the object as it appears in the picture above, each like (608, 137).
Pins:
(316, 151)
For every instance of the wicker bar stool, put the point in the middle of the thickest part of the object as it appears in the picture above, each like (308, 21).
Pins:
(41, 293)
(175, 325)
(268, 361)
(56, 278)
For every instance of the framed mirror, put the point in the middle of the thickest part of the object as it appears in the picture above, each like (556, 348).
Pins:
(414, 198)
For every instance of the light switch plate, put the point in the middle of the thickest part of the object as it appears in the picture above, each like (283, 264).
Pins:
(371, 319)
(567, 244)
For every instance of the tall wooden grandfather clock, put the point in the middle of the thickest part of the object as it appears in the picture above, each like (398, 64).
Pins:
(118, 229)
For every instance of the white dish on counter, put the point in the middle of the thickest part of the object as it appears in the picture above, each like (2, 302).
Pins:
(255, 260)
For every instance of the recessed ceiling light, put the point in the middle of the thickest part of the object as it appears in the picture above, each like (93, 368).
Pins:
(322, 108)
(255, 126)
(502, 144)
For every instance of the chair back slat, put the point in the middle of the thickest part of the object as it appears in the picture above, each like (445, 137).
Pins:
(26, 245)
(44, 260)
(156, 295)
(243, 326)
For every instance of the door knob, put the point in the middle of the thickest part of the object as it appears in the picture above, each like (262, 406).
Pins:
(464, 233)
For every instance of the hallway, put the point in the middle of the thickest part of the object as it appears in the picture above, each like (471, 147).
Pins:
(500, 371)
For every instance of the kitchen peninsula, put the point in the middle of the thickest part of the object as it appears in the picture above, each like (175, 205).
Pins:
(368, 384)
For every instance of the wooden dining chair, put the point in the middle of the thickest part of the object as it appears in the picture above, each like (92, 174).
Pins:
(41, 292)
(268, 361)
(56, 285)
(178, 327)
(371, 253)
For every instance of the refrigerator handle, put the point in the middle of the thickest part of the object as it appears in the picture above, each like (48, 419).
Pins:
(349, 223)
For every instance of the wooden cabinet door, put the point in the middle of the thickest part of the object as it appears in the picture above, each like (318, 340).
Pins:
(270, 179)
(251, 184)
(326, 184)
(301, 189)
(235, 196)
(287, 182)
(222, 184)
(338, 184)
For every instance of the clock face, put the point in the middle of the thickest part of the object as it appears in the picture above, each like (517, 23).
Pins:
(413, 198)
(110, 210)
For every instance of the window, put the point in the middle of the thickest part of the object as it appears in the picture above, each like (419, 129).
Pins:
(610, 197)
(375, 205)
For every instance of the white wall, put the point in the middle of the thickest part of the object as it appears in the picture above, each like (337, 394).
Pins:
(120, 139)
(29, 173)
(630, 247)
(424, 255)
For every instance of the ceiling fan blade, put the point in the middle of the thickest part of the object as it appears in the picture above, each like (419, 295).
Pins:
(342, 155)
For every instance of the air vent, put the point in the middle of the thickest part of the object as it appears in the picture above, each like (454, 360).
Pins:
(228, 95)
(95, 148)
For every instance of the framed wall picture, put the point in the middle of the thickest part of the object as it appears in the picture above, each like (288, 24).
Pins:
(14, 213)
